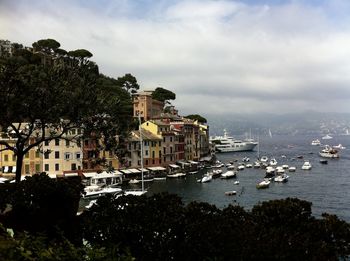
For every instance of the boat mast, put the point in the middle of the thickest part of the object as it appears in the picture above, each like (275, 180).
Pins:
(141, 148)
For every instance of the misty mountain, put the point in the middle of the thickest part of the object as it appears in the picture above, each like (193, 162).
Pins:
(309, 122)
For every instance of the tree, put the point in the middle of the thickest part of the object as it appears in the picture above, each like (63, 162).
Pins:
(128, 82)
(40, 204)
(44, 101)
(163, 95)
(196, 117)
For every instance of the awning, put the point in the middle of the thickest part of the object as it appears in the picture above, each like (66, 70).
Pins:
(134, 170)
(156, 168)
(193, 162)
(53, 176)
(144, 170)
(89, 174)
(71, 174)
(105, 175)
(174, 166)
(125, 171)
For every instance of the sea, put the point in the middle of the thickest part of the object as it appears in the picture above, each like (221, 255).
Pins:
(326, 186)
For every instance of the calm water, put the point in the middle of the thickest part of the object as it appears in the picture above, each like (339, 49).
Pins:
(326, 186)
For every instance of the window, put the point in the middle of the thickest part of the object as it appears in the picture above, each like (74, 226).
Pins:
(146, 152)
(163, 139)
(6, 158)
(47, 143)
(146, 162)
(74, 166)
(67, 143)
(164, 150)
(26, 169)
(86, 142)
(46, 155)
(47, 167)
(78, 155)
(14, 157)
(160, 161)
(27, 155)
(37, 168)
(171, 149)
(153, 155)
(171, 139)
(57, 166)
(57, 142)
(160, 143)
(37, 154)
(57, 154)
(67, 156)
(153, 161)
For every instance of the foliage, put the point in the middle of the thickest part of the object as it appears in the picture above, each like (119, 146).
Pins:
(163, 95)
(50, 92)
(40, 204)
(196, 117)
(160, 227)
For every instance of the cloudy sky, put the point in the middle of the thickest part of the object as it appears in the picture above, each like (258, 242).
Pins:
(217, 56)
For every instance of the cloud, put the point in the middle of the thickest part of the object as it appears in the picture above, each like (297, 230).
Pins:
(224, 55)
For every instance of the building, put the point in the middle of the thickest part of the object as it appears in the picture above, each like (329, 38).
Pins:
(147, 107)
(61, 155)
(152, 149)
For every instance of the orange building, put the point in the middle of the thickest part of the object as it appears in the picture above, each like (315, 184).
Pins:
(146, 106)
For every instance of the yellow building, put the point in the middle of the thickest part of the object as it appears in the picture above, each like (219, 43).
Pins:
(152, 149)
(7, 158)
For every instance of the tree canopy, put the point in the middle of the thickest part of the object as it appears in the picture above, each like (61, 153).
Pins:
(41, 101)
(163, 95)
(196, 117)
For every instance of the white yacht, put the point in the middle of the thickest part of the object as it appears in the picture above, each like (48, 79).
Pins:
(229, 144)
(327, 137)
(329, 152)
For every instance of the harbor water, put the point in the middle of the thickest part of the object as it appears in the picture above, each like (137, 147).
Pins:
(327, 186)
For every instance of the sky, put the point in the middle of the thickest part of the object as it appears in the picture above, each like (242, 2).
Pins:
(219, 57)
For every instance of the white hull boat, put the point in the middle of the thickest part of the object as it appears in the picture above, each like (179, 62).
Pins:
(329, 152)
(306, 166)
(229, 144)
(228, 174)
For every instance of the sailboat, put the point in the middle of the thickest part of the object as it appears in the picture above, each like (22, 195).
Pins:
(270, 133)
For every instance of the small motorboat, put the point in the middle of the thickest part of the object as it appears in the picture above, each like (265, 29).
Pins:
(205, 178)
(316, 142)
(231, 193)
(292, 169)
(264, 159)
(228, 174)
(263, 184)
(281, 178)
(327, 137)
(339, 146)
(240, 167)
(273, 162)
(306, 166)
(323, 161)
(236, 182)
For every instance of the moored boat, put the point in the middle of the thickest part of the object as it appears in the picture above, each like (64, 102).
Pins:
(306, 166)
(281, 178)
(230, 193)
(228, 174)
(329, 152)
(263, 184)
